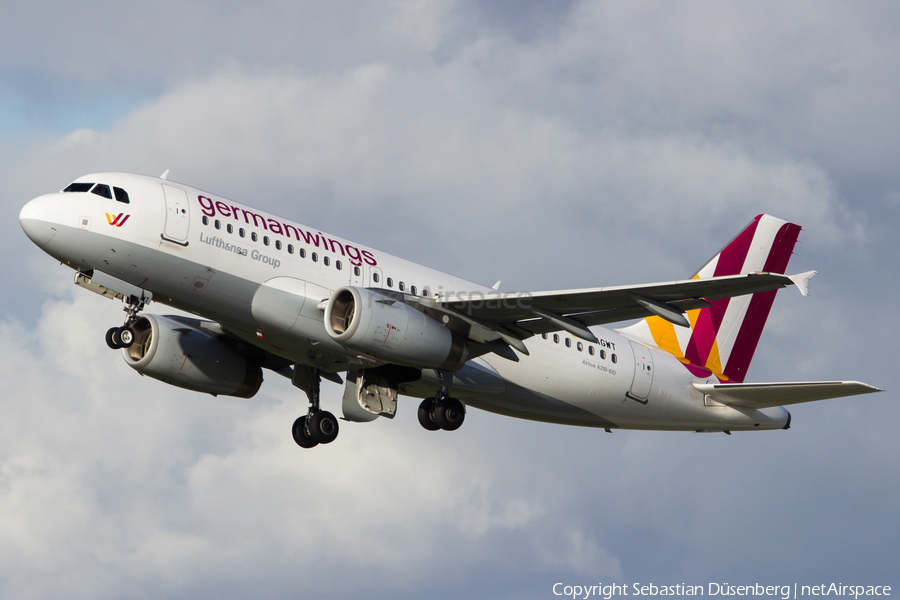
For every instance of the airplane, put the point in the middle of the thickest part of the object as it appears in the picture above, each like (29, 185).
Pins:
(271, 294)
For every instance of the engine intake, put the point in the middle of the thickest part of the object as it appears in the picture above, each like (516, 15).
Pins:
(189, 358)
(367, 321)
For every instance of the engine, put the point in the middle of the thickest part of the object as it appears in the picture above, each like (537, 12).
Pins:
(376, 324)
(187, 357)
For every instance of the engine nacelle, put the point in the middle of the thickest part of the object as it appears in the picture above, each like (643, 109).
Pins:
(190, 358)
(381, 326)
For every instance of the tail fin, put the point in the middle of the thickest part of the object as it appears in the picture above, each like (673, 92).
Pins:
(723, 337)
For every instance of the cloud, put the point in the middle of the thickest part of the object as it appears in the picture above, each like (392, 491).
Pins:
(395, 159)
(600, 144)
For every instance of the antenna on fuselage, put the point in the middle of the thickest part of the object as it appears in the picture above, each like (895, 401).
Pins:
(165, 175)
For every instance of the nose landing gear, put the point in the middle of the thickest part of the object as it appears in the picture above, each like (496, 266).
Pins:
(123, 337)
(119, 337)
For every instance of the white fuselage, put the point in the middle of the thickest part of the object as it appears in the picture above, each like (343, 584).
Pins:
(209, 256)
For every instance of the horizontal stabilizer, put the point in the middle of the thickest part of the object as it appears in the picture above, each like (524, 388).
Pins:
(765, 395)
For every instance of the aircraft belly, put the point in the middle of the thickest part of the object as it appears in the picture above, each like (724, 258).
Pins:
(560, 385)
(172, 279)
(523, 403)
(557, 385)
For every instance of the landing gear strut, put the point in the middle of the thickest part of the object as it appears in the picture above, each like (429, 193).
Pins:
(442, 411)
(316, 426)
(123, 337)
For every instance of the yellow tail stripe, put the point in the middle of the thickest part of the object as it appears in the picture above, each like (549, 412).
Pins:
(664, 335)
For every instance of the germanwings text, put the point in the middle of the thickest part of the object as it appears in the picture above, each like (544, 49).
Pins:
(212, 208)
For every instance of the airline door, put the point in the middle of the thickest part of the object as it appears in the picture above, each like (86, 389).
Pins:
(643, 371)
(178, 216)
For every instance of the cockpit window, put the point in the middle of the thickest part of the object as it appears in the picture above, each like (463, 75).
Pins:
(79, 187)
(121, 195)
(102, 190)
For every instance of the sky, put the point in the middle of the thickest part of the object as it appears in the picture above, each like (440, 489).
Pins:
(548, 145)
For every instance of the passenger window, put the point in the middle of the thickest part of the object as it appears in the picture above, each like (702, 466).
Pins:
(229, 228)
(218, 224)
(338, 265)
(591, 350)
(315, 257)
(613, 358)
(375, 277)
(426, 293)
(78, 187)
(580, 346)
(241, 232)
(253, 236)
(278, 244)
(568, 343)
(326, 260)
(302, 253)
(266, 240)
(544, 335)
(603, 354)
(390, 282)
(121, 195)
(401, 287)
(356, 271)
(290, 248)
(102, 190)
(413, 291)
(555, 338)
(205, 220)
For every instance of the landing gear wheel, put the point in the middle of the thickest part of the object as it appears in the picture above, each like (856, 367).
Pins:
(300, 436)
(111, 338)
(449, 414)
(125, 337)
(426, 417)
(323, 427)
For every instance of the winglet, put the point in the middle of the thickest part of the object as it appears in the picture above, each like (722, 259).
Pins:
(801, 280)
(165, 175)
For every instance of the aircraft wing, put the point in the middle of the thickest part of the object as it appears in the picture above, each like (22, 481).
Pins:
(765, 395)
(516, 316)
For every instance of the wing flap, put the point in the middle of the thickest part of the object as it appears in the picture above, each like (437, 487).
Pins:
(765, 395)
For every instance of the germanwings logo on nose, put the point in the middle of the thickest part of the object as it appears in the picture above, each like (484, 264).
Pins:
(118, 220)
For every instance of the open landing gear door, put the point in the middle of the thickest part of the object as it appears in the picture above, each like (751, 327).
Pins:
(368, 396)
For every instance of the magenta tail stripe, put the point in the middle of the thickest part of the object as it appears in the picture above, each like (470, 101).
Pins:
(732, 258)
(781, 251)
(702, 339)
(731, 261)
(760, 305)
(748, 336)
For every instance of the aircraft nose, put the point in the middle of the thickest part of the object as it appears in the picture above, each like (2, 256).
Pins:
(35, 221)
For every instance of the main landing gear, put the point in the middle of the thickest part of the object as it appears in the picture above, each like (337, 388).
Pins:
(316, 426)
(123, 337)
(442, 411)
